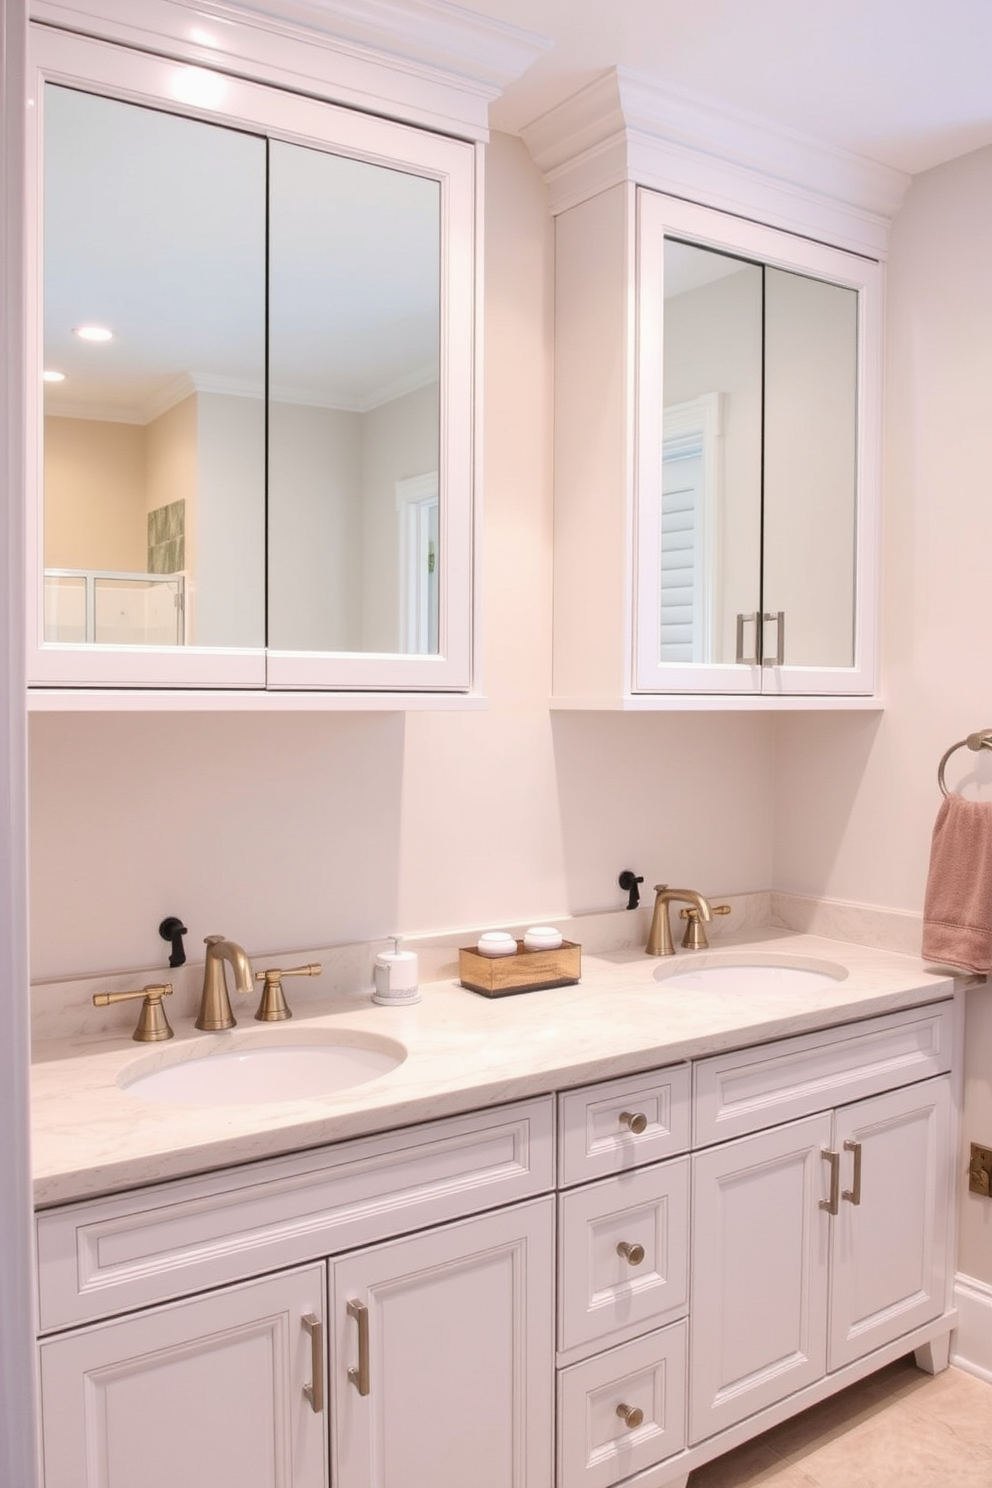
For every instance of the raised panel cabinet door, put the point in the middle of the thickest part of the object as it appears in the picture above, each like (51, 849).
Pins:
(225, 1388)
(758, 1303)
(442, 1356)
(890, 1237)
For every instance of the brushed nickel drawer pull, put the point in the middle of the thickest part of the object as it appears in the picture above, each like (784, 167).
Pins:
(853, 1194)
(315, 1390)
(632, 1254)
(360, 1377)
(636, 1121)
(631, 1415)
(832, 1205)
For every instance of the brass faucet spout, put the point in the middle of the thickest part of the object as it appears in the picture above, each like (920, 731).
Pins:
(660, 934)
(215, 1004)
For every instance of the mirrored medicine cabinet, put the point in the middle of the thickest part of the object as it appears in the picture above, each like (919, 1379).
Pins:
(255, 368)
(732, 472)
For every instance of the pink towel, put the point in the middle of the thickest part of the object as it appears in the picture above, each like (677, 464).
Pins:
(957, 907)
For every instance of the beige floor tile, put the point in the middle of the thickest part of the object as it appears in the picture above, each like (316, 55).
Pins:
(900, 1428)
(751, 1466)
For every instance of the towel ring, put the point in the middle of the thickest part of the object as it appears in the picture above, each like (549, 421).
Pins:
(980, 740)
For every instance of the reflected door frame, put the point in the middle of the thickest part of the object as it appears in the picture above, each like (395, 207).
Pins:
(692, 431)
(417, 506)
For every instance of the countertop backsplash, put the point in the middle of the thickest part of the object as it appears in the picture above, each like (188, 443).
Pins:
(64, 1008)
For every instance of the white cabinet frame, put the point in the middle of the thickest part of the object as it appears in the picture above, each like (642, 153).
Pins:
(456, 164)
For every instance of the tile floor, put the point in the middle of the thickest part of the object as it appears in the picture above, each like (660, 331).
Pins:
(898, 1429)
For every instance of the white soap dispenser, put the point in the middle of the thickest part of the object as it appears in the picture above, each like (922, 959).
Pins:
(396, 978)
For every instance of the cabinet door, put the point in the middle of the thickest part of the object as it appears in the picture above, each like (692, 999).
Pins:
(225, 1388)
(756, 466)
(759, 1272)
(442, 1356)
(889, 1240)
(264, 478)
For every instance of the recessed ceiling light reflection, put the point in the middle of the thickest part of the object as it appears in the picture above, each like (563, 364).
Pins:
(50, 375)
(200, 87)
(93, 333)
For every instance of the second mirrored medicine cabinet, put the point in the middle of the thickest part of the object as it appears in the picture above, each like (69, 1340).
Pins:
(262, 477)
(716, 487)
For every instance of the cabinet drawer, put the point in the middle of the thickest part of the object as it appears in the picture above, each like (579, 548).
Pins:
(600, 1439)
(623, 1255)
(759, 1087)
(115, 1254)
(623, 1124)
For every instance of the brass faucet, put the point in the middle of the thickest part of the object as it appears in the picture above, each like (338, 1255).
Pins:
(215, 1005)
(660, 934)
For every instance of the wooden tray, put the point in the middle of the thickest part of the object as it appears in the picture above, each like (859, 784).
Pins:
(526, 971)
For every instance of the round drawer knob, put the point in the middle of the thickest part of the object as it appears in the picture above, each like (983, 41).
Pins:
(636, 1121)
(631, 1415)
(632, 1254)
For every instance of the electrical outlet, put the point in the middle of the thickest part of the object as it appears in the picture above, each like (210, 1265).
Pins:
(980, 1170)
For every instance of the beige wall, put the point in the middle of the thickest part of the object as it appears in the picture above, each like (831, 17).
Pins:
(95, 514)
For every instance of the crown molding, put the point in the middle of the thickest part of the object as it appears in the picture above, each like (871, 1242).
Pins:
(626, 127)
(424, 62)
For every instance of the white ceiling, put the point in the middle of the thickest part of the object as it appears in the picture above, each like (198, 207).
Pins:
(907, 83)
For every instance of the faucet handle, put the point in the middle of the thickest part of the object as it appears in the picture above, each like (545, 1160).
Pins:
(273, 1007)
(153, 1026)
(694, 938)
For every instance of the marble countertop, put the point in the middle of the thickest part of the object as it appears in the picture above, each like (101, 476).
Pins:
(463, 1051)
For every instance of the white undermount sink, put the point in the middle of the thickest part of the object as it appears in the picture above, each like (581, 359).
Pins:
(756, 974)
(253, 1070)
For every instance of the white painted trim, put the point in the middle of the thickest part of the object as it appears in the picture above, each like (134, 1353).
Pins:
(627, 127)
(971, 1343)
(421, 61)
(18, 1444)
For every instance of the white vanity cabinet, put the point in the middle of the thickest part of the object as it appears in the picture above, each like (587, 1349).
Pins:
(819, 1239)
(237, 1383)
(717, 415)
(611, 1285)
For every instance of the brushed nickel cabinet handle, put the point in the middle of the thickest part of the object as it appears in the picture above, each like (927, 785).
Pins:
(632, 1254)
(739, 656)
(832, 1204)
(853, 1194)
(631, 1415)
(635, 1121)
(315, 1390)
(360, 1377)
(777, 617)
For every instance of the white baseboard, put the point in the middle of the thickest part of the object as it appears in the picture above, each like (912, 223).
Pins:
(971, 1341)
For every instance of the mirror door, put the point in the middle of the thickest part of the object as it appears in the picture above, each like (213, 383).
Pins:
(257, 323)
(755, 496)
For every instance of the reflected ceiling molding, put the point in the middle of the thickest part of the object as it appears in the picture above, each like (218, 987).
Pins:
(423, 61)
(625, 126)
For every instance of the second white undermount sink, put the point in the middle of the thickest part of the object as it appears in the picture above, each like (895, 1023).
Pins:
(293, 1067)
(755, 974)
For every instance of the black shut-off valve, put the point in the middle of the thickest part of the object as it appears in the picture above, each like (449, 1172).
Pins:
(630, 882)
(173, 930)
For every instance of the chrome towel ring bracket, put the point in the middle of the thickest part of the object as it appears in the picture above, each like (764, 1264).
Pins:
(980, 740)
